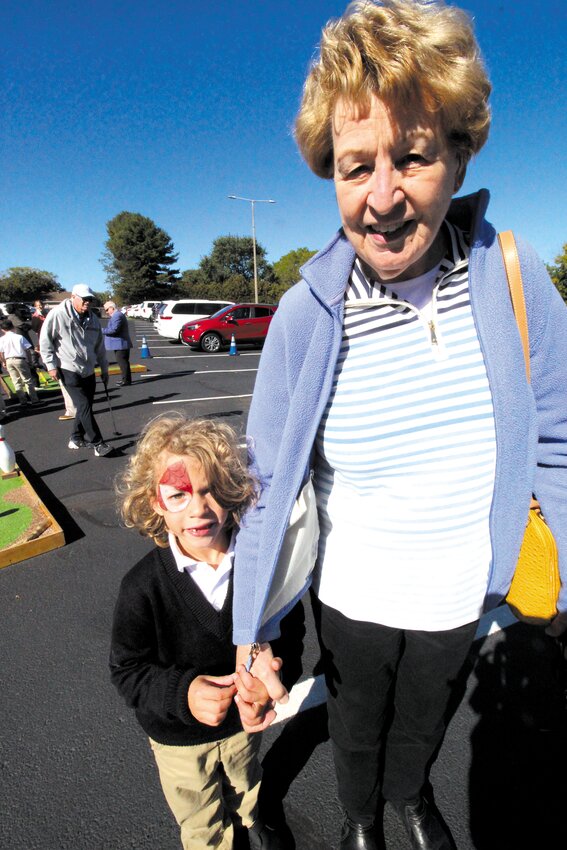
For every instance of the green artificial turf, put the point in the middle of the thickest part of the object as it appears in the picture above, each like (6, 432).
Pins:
(50, 385)
(14, 518)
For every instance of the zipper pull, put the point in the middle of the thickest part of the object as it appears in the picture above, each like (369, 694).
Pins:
(434, 340)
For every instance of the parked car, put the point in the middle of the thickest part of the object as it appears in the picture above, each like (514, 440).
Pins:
(145, 309)
(178, 313)
(160, 310)
(248, 323)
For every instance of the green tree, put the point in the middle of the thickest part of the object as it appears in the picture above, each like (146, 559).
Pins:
(22, 283)
(233, 255)
(139, 259)
(287, 267)
(227, 273)
(558, 273)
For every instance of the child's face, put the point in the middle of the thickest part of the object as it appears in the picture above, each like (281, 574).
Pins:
(189, 509)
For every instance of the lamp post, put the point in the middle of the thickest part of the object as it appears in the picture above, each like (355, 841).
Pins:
(253, 201)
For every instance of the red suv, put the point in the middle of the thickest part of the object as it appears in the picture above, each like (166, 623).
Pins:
(248, 323)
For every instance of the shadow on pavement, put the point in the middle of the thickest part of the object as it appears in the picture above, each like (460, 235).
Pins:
(518, 783)
(71, 530)
(287, 757)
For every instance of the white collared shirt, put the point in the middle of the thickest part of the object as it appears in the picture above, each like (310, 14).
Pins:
(212, 582)
(13, 344)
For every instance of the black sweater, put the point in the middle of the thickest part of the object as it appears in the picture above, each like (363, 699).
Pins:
(165, 633)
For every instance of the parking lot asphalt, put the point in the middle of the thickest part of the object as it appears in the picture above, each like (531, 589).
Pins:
(75, 769)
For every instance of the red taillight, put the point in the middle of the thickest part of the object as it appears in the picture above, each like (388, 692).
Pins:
(164, 318)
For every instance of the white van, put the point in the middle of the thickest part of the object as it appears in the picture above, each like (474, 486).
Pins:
(178, 313)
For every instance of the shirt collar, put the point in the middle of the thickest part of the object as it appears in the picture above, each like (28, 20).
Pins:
(456, 259)
(186, 563)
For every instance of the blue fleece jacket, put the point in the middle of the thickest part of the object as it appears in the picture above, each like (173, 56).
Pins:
(295, 379)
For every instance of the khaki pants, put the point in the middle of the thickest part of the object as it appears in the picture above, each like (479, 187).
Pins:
(20, 373)
(204, 784)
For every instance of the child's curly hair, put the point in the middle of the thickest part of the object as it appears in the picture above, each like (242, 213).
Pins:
(213, 444)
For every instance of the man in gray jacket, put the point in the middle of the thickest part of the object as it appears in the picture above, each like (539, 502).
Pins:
(71, 344)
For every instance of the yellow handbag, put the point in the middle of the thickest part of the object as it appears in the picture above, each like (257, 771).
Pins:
(536, 582)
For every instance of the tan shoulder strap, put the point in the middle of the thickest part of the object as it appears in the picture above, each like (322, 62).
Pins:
(514, 275)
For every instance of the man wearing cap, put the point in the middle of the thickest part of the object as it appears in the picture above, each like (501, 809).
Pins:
(117, 339)
(71, 344)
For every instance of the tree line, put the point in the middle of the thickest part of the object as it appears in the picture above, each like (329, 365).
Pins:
(139, 259)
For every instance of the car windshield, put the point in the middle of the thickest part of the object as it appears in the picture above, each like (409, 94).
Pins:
(221, 311)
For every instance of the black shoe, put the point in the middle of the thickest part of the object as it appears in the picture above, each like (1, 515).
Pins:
(355, 836)
(264, 837)
(424, 825)
(124, 384)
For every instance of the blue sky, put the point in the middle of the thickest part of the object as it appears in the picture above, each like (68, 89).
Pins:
(165, 108)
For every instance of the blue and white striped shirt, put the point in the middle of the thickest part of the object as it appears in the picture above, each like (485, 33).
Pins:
(406, 455)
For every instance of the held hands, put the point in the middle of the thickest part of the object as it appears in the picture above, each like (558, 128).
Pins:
(209, 698)
(266, 668)
(253, 700)
(260, 689)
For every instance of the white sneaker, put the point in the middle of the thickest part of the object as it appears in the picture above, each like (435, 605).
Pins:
(76, 444)
(102, 449)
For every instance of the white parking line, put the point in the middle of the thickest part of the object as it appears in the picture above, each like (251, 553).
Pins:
(201, 356)
(222, 371)
(205, 398)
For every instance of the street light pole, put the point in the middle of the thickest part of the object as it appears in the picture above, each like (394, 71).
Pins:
(253, 201)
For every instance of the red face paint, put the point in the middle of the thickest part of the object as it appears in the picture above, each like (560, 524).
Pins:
(175, 476)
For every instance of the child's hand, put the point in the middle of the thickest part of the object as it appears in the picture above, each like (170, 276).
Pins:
(253, 700)
(209, 698)
(266, 668)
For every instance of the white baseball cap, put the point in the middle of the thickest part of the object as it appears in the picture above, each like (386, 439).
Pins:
(83, 291)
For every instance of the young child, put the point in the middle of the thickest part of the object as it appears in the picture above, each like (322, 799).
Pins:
(16, 351)
(172, 656)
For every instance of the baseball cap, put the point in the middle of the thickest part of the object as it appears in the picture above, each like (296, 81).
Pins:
(82, 290)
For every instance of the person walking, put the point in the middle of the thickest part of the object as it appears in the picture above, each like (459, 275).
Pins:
(117, 339)
(71, 344)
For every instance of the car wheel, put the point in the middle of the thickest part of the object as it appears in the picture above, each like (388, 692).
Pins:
(210, 342)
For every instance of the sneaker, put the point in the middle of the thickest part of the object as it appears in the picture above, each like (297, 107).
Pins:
(102, 449)
(76, 444)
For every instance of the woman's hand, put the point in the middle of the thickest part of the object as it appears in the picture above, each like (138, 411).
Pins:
(266, 668)
(558, 625)
(209, 698)
(253, 700)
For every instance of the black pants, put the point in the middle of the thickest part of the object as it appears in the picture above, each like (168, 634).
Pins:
(82, 392)
(388, 696)
(123, 359)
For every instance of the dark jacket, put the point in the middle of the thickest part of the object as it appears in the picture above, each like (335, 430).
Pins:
(165, 634)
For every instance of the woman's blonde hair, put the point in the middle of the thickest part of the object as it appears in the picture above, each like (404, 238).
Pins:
(213, 444)
(412, 54)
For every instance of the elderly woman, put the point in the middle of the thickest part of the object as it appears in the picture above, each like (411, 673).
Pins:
(394, 371)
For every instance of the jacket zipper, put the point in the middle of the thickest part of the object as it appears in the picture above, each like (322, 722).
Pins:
(430, 325)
